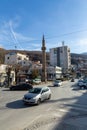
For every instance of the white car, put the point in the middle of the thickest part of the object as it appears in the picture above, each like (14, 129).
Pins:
(37, 81)
(57, 83)
(80, 82)
(37, 95)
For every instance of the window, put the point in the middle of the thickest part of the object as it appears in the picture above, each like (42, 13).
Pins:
(19, 58)
(61, 50)
(55, 51)
(25, 59)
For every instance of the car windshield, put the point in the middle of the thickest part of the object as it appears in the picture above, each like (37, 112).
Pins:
(37, 79)
(56, 81)
(80, 81)
(35, 90)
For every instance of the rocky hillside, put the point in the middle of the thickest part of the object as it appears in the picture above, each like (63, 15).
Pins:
(37, 55)
(33, 55)
(2, 55)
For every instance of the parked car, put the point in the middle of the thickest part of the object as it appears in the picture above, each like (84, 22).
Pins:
(57, 83)
(72, 80)
(36, 81)
(37, 95)
(80, 82)
(30, 81)
(22, 86)
(83, 84)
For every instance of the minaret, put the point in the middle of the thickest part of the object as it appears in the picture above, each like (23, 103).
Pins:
(44, 74)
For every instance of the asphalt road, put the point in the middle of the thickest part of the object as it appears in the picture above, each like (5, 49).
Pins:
(67, 101)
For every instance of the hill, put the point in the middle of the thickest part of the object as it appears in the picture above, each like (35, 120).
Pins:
(37, 55)
(33, 55)
(2, 55)
(77, 58)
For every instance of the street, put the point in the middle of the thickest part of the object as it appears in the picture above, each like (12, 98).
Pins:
(67, 101)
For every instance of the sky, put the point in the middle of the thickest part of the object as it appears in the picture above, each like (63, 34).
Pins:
(24, 22)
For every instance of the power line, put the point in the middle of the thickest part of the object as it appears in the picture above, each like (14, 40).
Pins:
(66, 34)
(46, 37)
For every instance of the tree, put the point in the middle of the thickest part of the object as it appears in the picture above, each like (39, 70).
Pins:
(35, 73)
(8, 71)
(16, 68)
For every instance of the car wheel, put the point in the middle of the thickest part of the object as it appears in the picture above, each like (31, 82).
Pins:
(49, 96)
(38, 101)
(82, 87)
(11, 89)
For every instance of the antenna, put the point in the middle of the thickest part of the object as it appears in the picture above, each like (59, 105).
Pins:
(62, 43)
(15, 47)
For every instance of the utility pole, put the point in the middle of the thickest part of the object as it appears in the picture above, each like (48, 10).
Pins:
(44, 74)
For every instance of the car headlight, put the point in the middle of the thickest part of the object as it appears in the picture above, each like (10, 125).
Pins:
(34, 98)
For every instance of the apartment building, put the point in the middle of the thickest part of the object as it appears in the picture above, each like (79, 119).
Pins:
(60, 56)
(4, 75)
(54, 72)
(13, 58)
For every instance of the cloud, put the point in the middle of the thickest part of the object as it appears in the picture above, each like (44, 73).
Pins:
(78, 46)
(15, 22)
(82, 42)
(23, 38)
(1, 46)
(9, 37)
(82, 45)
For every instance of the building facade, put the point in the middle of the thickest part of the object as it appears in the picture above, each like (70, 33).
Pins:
(13, 58)
(54, 72)
(60, 56)
(4, 75)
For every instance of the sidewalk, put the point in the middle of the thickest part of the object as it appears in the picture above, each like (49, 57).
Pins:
(79, 123)
(69, 124)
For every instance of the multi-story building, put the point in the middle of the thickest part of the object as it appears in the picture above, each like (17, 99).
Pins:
(13, 58)
(54, 72)
(4, 75)
(60, 56)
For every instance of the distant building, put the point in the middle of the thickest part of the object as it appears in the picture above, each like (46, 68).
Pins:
(4, 76)
(60, 56)
(54, 72)
(13, 58)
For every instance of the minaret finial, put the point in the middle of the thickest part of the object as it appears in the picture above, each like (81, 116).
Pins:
(43, 40)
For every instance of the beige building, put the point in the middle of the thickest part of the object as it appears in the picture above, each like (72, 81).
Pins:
(2, 73)
(60, 56)
(13, 58)
(4, 76)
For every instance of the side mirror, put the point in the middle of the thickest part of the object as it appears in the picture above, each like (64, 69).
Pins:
(42, 92)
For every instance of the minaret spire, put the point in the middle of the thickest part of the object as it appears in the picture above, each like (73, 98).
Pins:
(43, 41)
(44, 74)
